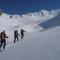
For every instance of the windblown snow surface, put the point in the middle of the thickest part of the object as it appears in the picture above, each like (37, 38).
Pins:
(42, 36)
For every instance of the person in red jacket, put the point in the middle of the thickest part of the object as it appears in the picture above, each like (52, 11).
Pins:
(3, 40)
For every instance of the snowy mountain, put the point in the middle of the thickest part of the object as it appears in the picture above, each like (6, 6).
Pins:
(27, 21)
(38, 42)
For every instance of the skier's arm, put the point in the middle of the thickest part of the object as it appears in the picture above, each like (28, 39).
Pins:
(24, 31)
(6, 36)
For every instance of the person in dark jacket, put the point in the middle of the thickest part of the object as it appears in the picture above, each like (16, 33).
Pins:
(15, 35)
(3, 40)
(22, 33)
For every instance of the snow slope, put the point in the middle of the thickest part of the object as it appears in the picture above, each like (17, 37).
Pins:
(37, 46)
(39, 42)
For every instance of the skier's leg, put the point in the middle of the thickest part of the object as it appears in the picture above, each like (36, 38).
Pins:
(17, 38)
(1, 44)
(14, 40)
(22, 36)
(4, 44)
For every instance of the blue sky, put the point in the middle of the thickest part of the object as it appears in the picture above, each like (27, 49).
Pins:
(23, 6)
